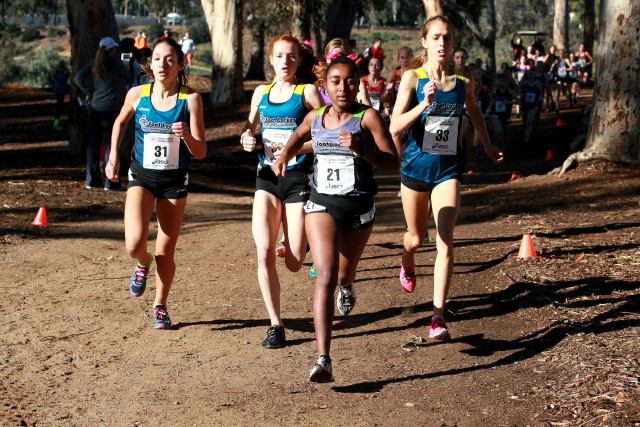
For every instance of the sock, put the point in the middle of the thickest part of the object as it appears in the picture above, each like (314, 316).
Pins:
(155, 306)
(436, 316)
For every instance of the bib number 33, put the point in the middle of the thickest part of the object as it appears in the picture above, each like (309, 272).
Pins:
(440, 135)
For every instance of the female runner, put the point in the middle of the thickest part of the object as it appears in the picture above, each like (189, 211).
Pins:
(375, 84)
(430, 104)
(349, 139)
(169, 129)
(279, 108)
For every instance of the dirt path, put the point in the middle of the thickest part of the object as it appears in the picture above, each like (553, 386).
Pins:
(545, 341)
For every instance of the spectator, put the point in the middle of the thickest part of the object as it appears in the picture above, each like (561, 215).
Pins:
(61, 88)
(109, 77)
(375, 51)
(130, 58)
(518, 49)
(166, 35)
(188, 49)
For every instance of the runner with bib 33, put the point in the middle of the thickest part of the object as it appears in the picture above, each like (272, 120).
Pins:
(430, 105)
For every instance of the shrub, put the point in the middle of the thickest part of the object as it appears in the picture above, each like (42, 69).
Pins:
(40, 69)
(9, 71)
(29, 34)
(199, 31)
(203, 58)
(123, 27)
(56, 32)
(154, 32)
(11, 28)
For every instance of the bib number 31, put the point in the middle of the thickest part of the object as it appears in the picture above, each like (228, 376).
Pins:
(161, 151)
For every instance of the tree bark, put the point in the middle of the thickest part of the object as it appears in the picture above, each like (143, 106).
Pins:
(301, 22)
(224, 18)
(341, 15)
(488, 42)
(561, 24)
(614, 130)
(89, 21)
(256, 66)
(589, 25)
(433, 8)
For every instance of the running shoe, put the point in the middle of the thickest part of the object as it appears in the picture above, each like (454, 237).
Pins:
(312, 270)
(321, 371)
(280, 249)
(275, 337)
(426, 240)
(161, 317)
(346, 299)
(408, 277)
(438, 330)
(138, 282)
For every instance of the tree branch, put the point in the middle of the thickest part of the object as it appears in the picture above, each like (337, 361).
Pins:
(454, 7)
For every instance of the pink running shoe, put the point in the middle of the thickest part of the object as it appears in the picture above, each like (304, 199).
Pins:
(281, 249)
(438, 330)
(408, 277)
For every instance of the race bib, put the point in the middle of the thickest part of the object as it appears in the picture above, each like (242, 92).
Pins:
(582, 61)
(274, 141)
(562, 72)
(500, 107)
(161, 151)
(311, 207)
(440, 135)
(530, 97)
(336, 175)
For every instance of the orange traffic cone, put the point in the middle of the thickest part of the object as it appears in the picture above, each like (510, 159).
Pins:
(549, 155)
(41, 218)
(526, 248)
(513, 176)
(559, 123)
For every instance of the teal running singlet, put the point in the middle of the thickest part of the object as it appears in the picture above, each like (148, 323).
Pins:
(156, 147)
(278, 121)
(431, 153)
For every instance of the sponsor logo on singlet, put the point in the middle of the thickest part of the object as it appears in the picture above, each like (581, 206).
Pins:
(445, 108)
(148, 126)
(277, 122)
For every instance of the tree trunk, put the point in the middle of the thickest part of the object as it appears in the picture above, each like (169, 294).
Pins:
(89, 21)
(589, 25)
(301, 22)
(614, 130)
(561, 24)
(341, 15)
(490, 45)
(256, 66)
(433, 8)
(224, 18)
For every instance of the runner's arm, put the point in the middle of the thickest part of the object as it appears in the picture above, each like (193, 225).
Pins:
(403, 119)
(382, 154)
(296, 142)
(477, 119)
(247, 138)
(119, 126)
(194, 137)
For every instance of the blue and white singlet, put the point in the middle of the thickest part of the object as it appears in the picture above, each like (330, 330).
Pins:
(337, 171)
(278, 121)
(156, 147)
(432, 153)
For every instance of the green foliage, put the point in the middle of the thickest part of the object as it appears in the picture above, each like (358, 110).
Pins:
(40, 68)
(123, 27)
(10, 29)
(203, 58)
(29, 34)
(154, 32)
(9, 71)
(199, 31)
(56, 32)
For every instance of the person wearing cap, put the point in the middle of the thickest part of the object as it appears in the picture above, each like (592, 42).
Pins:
(166, 35)
(105, 97)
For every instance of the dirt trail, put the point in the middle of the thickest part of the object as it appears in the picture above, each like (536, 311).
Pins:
(539, 341)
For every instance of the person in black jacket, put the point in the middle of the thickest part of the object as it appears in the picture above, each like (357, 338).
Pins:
(105, 97)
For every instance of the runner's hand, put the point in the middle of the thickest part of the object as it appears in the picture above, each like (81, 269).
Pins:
(181, 129)
(430, 91)
(279, 168)
(112, 168)
(247, 140)
(348, 141)
(496, 155)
